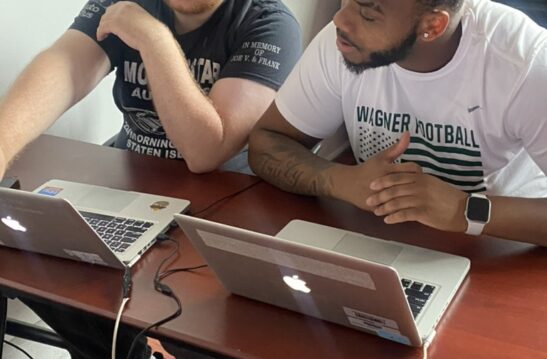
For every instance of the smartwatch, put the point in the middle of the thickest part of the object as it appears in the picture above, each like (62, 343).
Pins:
(477, 213)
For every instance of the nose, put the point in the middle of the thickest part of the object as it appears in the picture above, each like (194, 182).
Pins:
(343, 18)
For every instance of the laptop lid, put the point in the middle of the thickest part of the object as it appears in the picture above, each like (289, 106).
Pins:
(47, 222)
(347, 290)
(426, 274)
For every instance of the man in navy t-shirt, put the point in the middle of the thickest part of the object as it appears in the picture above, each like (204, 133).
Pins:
(192, 78)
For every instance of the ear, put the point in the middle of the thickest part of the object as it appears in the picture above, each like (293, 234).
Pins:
(433, 25)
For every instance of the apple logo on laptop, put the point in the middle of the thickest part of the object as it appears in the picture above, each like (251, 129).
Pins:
(296, 284)
(13, 224)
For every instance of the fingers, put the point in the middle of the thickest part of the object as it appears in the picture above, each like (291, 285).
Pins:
(390, 194)
(105, 26)
(103, 30)
(395, 151)
(395, 205)
(405, 215)
(157, 347)
(394, 179)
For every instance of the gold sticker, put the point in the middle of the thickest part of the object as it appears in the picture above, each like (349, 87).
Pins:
(158, 206)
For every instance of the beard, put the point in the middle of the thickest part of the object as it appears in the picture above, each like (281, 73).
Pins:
(385, 57)
(193, 7)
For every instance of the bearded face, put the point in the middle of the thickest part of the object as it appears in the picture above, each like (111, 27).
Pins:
(193, 7)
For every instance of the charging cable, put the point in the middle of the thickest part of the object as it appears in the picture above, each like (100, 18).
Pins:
(126, 287)
(224, 199)
(427, 343)
(163, 289)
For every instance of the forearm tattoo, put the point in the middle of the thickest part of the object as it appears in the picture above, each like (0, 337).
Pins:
(292, 167)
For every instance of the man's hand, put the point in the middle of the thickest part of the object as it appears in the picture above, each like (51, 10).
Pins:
(352, 183)
(131, 23)
(403, 197)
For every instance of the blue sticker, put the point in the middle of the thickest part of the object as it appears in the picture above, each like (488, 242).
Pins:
(50, 191)
(393, 336)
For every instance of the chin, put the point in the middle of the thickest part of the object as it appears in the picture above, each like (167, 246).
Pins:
(356, 59)
(193, 7)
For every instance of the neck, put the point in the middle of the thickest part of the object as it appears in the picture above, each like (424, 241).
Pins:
(432, 56)
(189, 22)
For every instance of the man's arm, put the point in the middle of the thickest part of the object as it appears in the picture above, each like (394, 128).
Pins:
(419, 197)
(428, 200)
(520, 219)
(54, 81)
(206, 130)
(279, 153)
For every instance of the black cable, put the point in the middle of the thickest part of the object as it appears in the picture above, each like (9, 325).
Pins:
(126, 282)
(126, 290)
(165, 290)
(226, 198)
(18, 348)
(157, 324)
(177, 270)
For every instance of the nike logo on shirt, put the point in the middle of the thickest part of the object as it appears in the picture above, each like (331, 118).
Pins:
(473, 109)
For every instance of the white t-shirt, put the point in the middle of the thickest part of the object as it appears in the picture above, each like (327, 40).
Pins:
(479, 123)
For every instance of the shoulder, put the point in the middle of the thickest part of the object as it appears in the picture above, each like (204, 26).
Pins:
(252, 13)
(261, 21)
(156, 8)
(269, 8)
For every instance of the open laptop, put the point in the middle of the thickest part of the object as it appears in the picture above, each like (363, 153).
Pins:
(394, 290)
(84, 222)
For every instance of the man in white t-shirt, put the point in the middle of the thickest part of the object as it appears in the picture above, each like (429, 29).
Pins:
(445, 105)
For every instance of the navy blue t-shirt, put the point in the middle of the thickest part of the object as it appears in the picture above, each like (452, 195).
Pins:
(258, 40)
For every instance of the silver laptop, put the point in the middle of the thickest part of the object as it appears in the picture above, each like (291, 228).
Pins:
(393, 290)
(84, 222)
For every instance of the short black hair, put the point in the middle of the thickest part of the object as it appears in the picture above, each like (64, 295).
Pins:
(453, 5)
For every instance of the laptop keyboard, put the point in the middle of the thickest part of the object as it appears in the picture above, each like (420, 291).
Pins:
(117, 232)
(417, 294)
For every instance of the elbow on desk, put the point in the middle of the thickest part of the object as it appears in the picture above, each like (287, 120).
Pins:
(202, 165)
(201, 162)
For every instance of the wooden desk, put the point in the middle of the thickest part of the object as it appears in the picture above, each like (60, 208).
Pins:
(500, 312)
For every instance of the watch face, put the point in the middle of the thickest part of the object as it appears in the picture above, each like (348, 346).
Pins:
(478, 209)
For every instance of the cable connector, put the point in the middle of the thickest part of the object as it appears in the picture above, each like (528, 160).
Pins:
(163, 288)
(127, 282)
(162, 237)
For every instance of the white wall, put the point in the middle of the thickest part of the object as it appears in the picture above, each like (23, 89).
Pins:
(27, 27)
(313, 15)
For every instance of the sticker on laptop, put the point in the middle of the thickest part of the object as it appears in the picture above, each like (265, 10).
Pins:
(383, 327)
(86, 257)
(371, 319)
(50, 191)
(158, 206)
